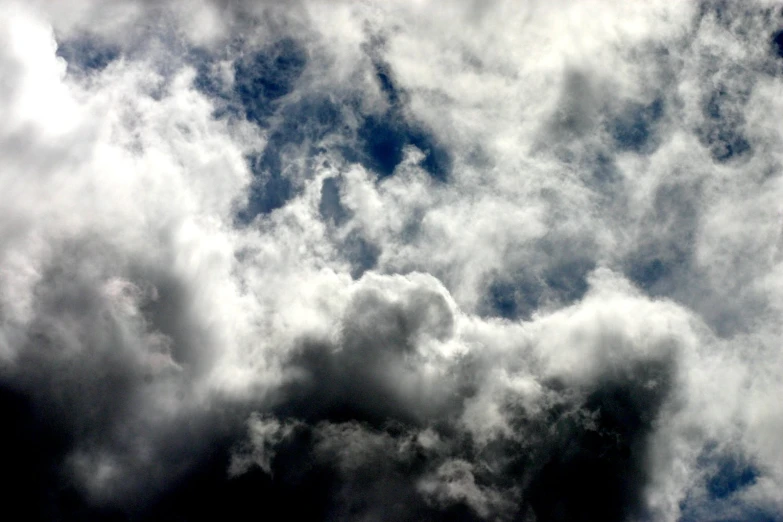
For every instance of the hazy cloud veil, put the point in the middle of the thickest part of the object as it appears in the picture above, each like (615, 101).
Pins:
(410, 260)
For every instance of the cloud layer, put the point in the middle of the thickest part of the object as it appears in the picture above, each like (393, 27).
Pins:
(359, 261)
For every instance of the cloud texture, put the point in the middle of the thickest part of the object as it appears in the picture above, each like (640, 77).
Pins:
(391, 260)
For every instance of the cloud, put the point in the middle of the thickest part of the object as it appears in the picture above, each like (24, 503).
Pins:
(478, 261)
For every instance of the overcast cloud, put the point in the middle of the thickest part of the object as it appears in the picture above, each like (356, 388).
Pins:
(411, 260)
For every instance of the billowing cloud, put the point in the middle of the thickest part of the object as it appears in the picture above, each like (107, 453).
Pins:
(391, 261)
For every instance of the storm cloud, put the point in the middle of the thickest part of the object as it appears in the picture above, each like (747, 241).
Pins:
(391, 260)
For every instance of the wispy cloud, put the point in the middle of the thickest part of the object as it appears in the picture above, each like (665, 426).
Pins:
(391, 261)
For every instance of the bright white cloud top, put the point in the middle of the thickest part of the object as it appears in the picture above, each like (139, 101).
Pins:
(392, 260)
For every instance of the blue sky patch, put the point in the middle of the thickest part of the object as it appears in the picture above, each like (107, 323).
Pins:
(517, 297)
(383, 141)
(265, 76)
(383, 137)
(731, 477)
(296, 135)
(269, 191)
(633, 130)
(85, 53)
(777, 43)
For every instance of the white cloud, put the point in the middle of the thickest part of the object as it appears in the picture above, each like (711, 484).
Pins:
(613, 192)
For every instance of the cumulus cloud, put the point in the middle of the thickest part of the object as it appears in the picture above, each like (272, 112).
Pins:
(391, 261)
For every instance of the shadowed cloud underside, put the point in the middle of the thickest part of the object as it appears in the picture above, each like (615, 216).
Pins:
(391, 261)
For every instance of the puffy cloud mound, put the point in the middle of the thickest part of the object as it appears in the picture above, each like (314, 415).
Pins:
(391, 261)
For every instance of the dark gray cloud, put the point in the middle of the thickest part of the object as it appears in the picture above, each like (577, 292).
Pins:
(391, 262)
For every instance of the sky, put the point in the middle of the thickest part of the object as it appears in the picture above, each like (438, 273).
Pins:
(391, 261)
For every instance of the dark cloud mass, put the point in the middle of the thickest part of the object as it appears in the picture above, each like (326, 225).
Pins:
(405, 261)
